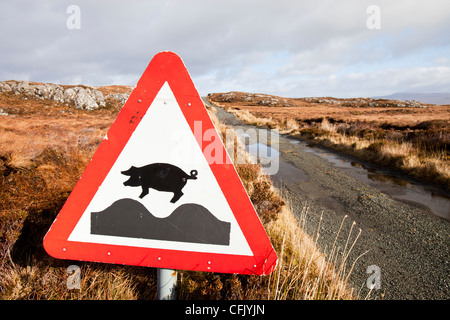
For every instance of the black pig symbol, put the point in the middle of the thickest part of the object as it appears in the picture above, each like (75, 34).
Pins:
(159, 176)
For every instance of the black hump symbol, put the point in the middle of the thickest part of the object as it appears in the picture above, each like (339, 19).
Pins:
(189, 222)
(159, 176)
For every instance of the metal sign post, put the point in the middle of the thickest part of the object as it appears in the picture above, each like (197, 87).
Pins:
(167, 282)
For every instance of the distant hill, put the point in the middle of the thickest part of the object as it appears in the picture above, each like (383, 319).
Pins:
(429, 98)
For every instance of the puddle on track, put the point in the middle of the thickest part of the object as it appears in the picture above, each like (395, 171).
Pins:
(262, 150)
(387, 182)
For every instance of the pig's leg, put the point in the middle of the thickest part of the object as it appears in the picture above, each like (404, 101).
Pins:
(176, 195)
(144, 192)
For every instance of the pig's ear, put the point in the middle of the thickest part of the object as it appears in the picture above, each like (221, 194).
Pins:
(129, 172)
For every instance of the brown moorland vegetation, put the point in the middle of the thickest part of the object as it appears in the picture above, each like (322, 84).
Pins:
(44, 148)
(410, 137)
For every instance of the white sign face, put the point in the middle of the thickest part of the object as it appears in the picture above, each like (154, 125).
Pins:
(159, 184)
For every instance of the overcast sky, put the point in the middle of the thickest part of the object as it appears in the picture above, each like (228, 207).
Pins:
(289, 48)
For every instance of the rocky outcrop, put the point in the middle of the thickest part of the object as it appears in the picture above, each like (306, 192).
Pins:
(119, 97)
(82, 97)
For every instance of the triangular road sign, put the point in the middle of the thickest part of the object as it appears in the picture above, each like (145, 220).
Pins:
(157, 194)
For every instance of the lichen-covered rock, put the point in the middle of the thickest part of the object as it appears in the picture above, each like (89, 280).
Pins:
(82, 97)
(85, 99)
(120, 97)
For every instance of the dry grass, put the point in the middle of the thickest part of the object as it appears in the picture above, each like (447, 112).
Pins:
(406, 156)
(303, 272)
(43, 153)
(97, 283)
(249, 118)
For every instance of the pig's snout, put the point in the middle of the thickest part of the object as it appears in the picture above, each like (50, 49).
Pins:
(135, 177)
